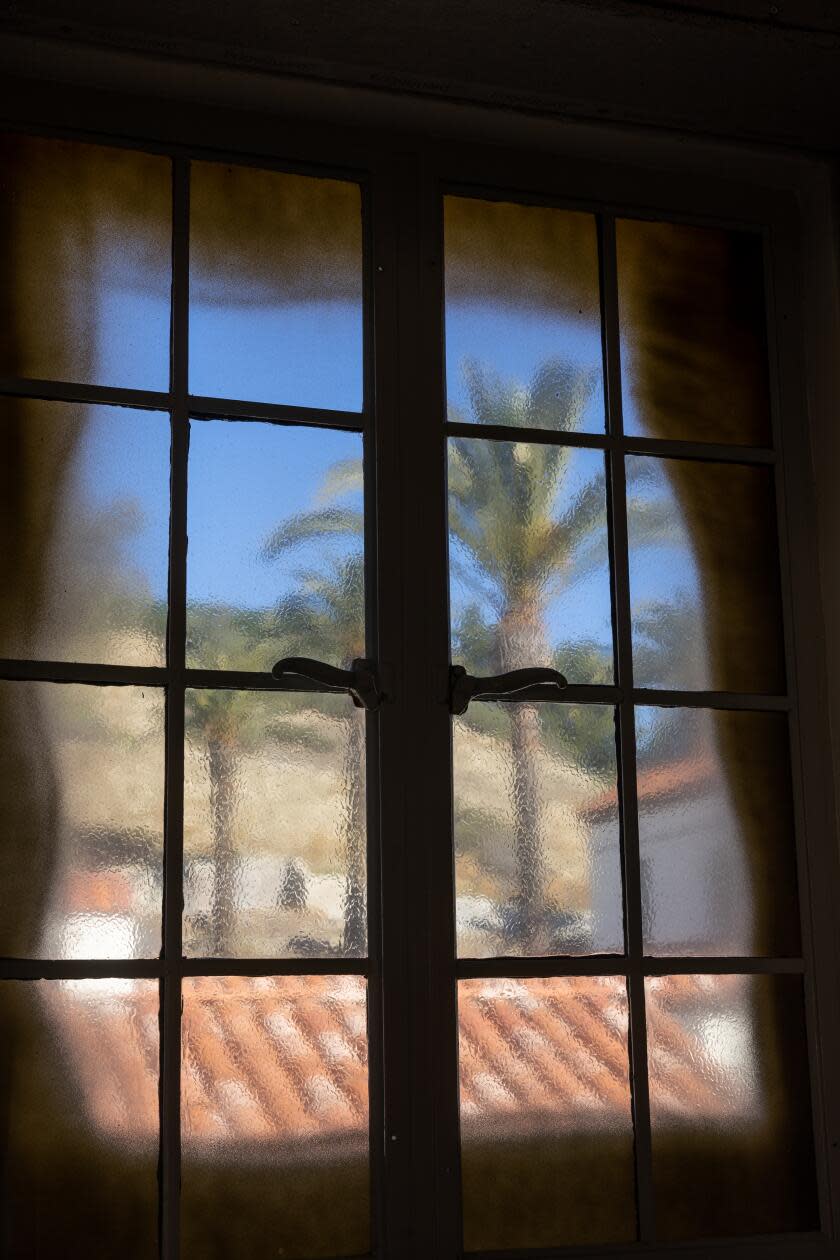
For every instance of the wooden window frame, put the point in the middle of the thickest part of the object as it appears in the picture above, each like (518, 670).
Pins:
(412, 972)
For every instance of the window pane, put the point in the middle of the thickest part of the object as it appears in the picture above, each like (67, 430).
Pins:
(275, 287)
(81, 844)
(274, 1107)
(730, 1106)
(529, 560)
(537, 853)
(523, 330)
(693, 350)
(275, 561)
(79, 1142)
(546, 1130)
(87, 250)
(716, 833)
(704, 576)
(84, 529)
(274, 825)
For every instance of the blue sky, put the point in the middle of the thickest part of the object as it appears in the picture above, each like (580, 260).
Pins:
(246, 477)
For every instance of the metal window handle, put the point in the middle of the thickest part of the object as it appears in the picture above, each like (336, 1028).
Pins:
(360, 681)
(463, 687)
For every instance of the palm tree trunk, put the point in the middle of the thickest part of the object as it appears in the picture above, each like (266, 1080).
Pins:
(355, 834)
(528, 824)
(523, 643)
(221, 761)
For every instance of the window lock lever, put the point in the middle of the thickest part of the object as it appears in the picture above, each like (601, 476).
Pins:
(360, 682)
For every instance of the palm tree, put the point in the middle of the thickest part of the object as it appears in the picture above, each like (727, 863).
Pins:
(510, 540)
(326, 612)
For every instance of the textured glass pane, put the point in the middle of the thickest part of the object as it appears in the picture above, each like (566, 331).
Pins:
(84, 521)
(704, 576)
(275, 287)
(537, 854)
(86, 258)
(275, 560)
(274, 1107)
(730, 1106)
(529, 561)
(523, 330)
(274, 825)
(716, 833)
(81, 820)
(79, 1139)
(693, 353)
(546, 1129)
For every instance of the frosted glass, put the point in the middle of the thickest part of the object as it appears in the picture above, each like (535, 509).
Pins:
(274, 1106)
(692, 320)
(704, 576)
(730, 1106)
(537, 848)
(274, 825)
(275, 558)
(81, 837)
(546, 1128)
(87, 247)
(79, 1141)
(84, 532)
(275, 287)
(716, 833)
(523, 329)
(529, 559)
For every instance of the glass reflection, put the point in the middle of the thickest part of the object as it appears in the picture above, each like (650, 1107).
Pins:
(546, 1128)
(81, 848)
(704, 576)
(275, 561)
(523, 331)
(274, 1104)
(79, 1142)
(730, 1105)
(692, 323)
(537, 859)
(274, 826)
(275, 287)
(84, 529)
(529, 559)
(87, 241)
(716, 833)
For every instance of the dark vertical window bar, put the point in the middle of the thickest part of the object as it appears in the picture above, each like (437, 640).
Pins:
(176, 647)
(626, 732)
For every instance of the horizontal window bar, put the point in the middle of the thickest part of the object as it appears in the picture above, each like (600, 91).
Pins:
(273, 967)
(664, 448)
(245, 680)
(526, 968)
(199, 406)
(581, 693)
(80, 969)
(276, 413)
(722, 966)
(709, 700)
(68, 391)
(154, 968)
(712, 451)
(621, 965)
(73, 671)
(515, 433)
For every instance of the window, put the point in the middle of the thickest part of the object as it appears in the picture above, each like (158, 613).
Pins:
(502, 957)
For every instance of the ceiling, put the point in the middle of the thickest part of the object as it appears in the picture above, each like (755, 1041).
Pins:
(746, 69)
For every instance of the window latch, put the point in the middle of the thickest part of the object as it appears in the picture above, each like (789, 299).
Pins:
(360, 682)
(463, 687)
